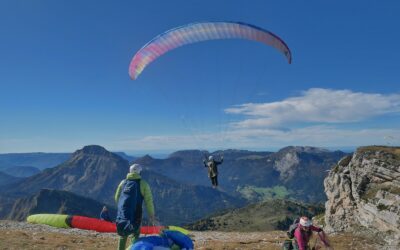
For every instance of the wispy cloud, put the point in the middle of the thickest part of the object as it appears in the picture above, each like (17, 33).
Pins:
(247, 138)
(323, 136)
(318, 110)
(317, 106)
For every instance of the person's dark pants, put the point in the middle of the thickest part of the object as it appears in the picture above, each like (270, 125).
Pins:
(214, 180)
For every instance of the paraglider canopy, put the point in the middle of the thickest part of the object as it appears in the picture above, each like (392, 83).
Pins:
(203, 31)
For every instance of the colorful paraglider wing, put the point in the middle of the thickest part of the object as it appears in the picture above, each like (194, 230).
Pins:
(197, 32)
(151, 229)
(54, 220)
(179, 229)
(180, 239)
(151, 242)
(141, 245)
(87, 223)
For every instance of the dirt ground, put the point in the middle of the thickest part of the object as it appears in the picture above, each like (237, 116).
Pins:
(26, 236)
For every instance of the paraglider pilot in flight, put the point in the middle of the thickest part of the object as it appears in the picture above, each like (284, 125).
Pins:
(212, 166)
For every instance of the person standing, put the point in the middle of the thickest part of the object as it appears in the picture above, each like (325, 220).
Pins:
(130, 194)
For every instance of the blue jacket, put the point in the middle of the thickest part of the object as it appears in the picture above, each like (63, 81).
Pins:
(105, 216)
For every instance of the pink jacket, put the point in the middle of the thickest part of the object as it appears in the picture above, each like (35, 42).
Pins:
(303, 237)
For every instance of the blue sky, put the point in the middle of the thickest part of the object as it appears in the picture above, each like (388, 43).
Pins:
(64, 79)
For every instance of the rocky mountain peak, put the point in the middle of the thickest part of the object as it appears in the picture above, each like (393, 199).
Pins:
(92, 150)
(363, 192)
(145, 160)
(91, 171)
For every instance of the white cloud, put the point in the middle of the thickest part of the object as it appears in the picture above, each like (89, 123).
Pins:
(248, 138)
(324, 107)
(262, 128)
(317, 106)
(320, 136)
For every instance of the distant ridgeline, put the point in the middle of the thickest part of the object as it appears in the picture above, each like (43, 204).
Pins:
(15, 161)
(37, 160)
(180, 186)
(292, 172)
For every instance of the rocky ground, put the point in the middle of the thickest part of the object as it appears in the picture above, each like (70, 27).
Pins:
(21, 235)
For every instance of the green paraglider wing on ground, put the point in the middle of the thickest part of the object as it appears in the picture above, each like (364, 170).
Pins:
(55, 220)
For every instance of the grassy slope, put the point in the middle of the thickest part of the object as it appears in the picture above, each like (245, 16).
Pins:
(263, 216)
(391, 150)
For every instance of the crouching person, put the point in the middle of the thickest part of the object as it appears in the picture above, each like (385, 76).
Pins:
(301, 232)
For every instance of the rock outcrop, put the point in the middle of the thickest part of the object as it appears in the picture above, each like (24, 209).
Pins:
(363, 193)
(286, 165)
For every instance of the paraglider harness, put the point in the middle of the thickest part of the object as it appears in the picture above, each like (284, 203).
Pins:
(212, 169)
(292, 228)
(288, 244)
(129, 215)
(211, 165)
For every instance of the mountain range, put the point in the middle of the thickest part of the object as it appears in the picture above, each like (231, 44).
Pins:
(179, 183)
(299, 169)
(95, 172)
(362, 189)
(28, 164)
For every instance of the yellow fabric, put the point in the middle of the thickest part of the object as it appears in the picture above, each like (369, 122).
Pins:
(54, 220)
(180, 229)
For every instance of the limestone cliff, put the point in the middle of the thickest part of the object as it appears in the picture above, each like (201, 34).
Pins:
(363, 192)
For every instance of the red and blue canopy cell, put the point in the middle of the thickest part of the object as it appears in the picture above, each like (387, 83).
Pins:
(198, 32)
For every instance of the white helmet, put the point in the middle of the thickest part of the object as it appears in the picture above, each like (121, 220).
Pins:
(305, 222)
(210, 158)
(135, 168)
